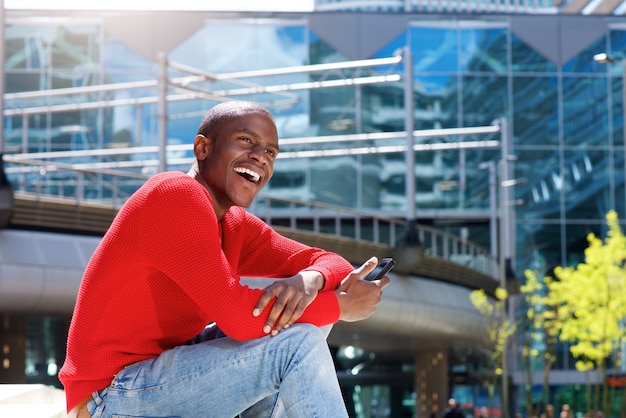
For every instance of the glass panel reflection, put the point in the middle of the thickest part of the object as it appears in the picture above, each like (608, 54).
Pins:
(524, 58)
(484, 50)
(585, 111)
(535, 111)
(484, 99)
(589, 193)
(583, 62)
(434, 49)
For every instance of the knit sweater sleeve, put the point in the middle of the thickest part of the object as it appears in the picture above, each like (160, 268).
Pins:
(269, 254)
(181, 239)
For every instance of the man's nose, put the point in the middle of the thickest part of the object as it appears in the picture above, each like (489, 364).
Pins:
(258, 153)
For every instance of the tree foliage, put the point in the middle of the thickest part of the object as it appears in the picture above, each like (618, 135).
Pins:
(585, 305)
(499, 329)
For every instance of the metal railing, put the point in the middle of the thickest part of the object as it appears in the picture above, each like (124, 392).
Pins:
(441, 6)
(109, 176)
(111, 183)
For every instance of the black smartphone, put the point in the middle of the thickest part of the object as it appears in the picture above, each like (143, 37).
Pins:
(381, 269)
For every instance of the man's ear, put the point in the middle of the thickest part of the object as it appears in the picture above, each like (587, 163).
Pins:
(201, 147)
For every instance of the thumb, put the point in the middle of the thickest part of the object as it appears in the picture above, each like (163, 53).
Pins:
(359, 273)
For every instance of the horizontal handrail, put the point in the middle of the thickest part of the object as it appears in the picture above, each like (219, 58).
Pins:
(107, 186)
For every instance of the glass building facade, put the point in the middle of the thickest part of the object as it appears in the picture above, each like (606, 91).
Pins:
(564, 111)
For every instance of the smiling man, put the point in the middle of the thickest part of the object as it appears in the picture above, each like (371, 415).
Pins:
(170, 264)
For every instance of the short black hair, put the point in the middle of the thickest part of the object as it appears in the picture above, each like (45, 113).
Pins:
(225, 112)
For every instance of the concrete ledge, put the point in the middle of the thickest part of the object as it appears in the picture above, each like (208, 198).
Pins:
(58, 214)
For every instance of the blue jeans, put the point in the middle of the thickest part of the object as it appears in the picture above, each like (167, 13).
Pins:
(224, 377)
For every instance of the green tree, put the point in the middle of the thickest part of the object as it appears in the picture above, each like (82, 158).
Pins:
(499, 331)
(585, 305)
(543, 329)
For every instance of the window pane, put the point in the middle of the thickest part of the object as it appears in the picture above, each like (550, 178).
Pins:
(585, 112)
(527, 59)
(588, 193)
(484, 99)
(535, 111)
(484, 50)
(434, 49)
(75, 47)
(583, 61)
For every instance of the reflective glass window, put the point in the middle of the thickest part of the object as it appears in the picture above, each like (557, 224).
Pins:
(484, 50)
(588, 193)
(321, 52)
(437, 101)
(540, 192)
(583, 61)
(539, 238)
(618, 111)
(620, 186)
(535, 111)
(525, 58)
(585, 112)
(254, 45)
(75, 47)
(617, 41)
(123, 64)
(26, 46)
(434, 48)
(485, 98)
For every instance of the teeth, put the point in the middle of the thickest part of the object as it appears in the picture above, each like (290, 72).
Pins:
(253, 176)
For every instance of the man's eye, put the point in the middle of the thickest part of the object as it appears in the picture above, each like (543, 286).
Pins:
(245, 138)
(270, 152)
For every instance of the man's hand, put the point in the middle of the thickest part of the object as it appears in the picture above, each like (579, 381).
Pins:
(358, 298)
(293, 295)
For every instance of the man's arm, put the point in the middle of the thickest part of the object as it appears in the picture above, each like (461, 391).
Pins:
(357, 298)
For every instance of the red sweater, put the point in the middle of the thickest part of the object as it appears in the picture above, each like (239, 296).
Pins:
(166, 268)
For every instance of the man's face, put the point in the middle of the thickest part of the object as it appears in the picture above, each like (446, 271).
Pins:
(239, 161)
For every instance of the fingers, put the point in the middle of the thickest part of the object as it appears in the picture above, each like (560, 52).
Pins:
(287, 302)
(264, 300)
(284, 314)
(359, 272)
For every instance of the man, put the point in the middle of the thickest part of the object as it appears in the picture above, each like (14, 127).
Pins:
(453, 411)
(170, 264)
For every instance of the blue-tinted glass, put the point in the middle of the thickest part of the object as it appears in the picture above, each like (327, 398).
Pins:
(618, 97)
(434, 49)
(393, 47)
(617, 43)
(538, 239)
(585, 111)
(75, 47)
(485, 98)
(26, 46)
(123, 64)
(436, 99)
(576, 233)
(251, 46)
(540, 191)
(620, 186)
(587, 184)
(321, 52)
(535, 111)
(583, 62)
(484, 50)
(524, 58)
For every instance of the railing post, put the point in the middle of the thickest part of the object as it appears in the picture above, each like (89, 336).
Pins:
(162, 113)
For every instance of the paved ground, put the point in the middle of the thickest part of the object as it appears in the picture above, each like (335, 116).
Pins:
(31, 401)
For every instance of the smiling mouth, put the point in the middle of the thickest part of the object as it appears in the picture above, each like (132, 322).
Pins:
(248, 174)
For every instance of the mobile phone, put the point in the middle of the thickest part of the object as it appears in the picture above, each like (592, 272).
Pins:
(381, 269)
